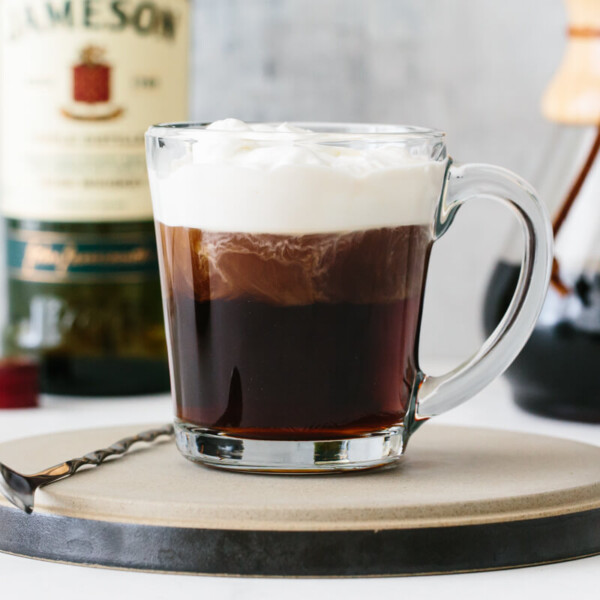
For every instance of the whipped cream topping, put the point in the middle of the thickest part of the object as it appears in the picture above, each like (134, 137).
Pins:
(260, 178)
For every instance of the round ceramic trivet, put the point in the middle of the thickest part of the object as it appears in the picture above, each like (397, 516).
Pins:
(461, 499)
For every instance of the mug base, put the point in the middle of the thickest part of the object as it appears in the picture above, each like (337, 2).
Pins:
(217, 449)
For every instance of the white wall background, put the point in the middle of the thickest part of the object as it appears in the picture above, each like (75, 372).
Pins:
(475, 68)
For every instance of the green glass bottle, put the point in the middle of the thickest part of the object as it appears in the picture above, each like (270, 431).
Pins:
(82, 81)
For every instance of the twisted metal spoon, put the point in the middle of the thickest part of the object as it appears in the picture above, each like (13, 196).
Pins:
(20, 489)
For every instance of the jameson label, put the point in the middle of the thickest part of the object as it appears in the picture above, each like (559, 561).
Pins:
(65, 257)
(81, 82)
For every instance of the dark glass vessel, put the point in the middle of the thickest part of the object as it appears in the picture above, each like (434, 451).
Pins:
(79, 89)
(557, 374)
(84, 299)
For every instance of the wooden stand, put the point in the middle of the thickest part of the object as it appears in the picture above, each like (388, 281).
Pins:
(573, 96)
(462, 499)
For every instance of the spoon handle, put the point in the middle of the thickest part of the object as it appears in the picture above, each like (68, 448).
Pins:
(70, 467)
(20, 489)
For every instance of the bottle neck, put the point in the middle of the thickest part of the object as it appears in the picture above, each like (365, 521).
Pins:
(573, 96)
(583, 15)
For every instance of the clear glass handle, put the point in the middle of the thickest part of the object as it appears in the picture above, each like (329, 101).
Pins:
(477, 181)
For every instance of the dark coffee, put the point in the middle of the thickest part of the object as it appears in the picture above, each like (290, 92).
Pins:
(556, 373)
(294, 337)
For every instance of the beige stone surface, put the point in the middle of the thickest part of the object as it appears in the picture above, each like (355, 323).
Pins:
(450, 476)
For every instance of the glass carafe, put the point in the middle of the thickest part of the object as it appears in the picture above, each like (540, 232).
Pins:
(558, 372)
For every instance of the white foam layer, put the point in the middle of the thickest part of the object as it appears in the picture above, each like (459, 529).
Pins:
(294, 185)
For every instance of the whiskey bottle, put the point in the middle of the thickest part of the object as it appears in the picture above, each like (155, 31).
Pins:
(81, 82)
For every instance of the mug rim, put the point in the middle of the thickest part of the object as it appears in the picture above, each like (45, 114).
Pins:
(318, 130)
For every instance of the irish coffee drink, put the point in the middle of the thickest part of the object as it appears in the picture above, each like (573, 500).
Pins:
(293, 263)
(293, 270)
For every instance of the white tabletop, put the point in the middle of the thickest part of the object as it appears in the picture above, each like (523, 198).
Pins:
(26, 578)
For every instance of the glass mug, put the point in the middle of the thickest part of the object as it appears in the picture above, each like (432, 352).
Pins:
(293, 264)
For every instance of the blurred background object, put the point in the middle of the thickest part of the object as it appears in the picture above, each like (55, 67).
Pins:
(473, 67)
(19, 383)
(557, 372)
(81, 82)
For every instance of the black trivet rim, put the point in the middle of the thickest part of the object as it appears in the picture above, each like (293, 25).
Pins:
(363, 553)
